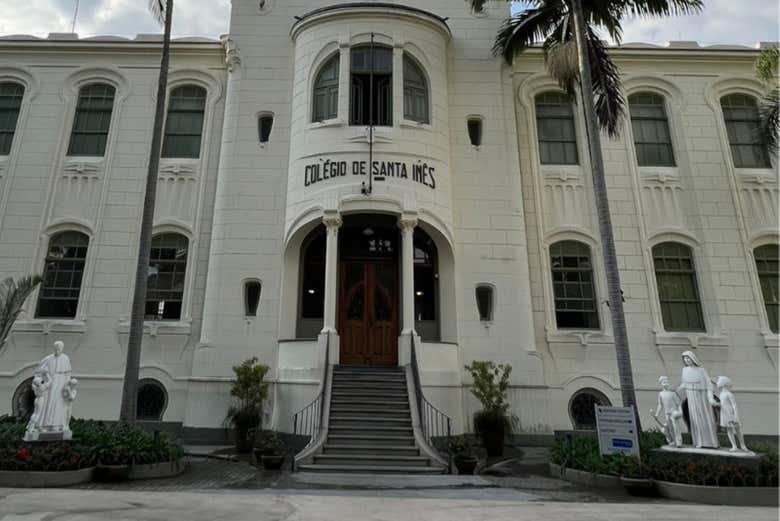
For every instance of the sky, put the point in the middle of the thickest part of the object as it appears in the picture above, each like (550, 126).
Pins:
(723, 21)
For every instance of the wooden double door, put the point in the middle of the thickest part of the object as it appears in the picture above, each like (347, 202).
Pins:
(368, 312)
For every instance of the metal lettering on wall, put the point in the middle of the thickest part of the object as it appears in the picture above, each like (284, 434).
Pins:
(419, 172)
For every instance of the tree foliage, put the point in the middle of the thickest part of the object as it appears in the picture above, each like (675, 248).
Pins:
(249, 391)
(491, 382)
(769, 109)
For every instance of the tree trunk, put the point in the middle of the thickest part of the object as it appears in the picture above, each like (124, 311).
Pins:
(127, 411)
(615, 297)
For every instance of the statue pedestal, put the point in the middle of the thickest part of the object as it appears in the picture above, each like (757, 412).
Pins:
(719, 456)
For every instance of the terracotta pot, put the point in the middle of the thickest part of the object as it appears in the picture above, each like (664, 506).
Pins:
(111, 473)
(466, 465)
(273, 461)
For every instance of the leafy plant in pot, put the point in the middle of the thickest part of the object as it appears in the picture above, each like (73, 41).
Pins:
(246, 413)
(462, 456)
(493, 422)
(272, 451)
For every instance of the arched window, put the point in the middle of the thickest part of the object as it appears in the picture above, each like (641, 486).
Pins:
(485, 297)
(371, 75)
(555, 126)
(23, 401)
(265, 122)
(167, 274)
(426, 286)
(92, 120)
(326, 91)
(312, 285)
(650, 127)
(582, 408)
(767, 267)
(252, 289)
(62, 274)
(572, 279)
(678, 293)
(151, 400)
(740, 113)
(184, 123)
(474, 127)
(11, 95)
(415, 92)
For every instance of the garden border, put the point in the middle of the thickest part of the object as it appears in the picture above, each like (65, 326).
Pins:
(163, 469)
(587, 479)
(730, 496)
(44, 479)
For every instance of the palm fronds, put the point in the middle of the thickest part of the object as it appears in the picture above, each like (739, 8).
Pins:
(610, 104)
(530, 27)
(13, 294)
(157, 8)
(769, 121)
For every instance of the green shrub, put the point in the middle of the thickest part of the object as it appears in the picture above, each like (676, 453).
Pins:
(249, 390)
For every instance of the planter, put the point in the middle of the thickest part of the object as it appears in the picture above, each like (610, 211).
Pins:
(164, 469)
(245, 439)
(491, 429)
(642, 487)
(732, 496)
(586, 479)
(466, 465)
(273, 461)
(111, 473)
(44, 479)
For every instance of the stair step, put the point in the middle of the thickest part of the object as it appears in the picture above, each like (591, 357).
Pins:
(357, 401)
(383, 450)
(370, 460)
(370, 439)
(365, 412)
(401, 386)
(390, 377)
(377, 469)
(369, 430)
(370, 369)
(370, 420)
(366, 393)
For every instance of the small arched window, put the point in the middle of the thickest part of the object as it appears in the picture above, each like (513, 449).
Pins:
(650, 126)
(23, 401)
(265, 122)
(326, 91)
(167, 275)
(573, 287)
(151, 400)
(184, 123)
(11, 95)
(582, 408)
(485, 297)
(740, 113)
(474, 127)
(415, 92)
(92, 120)
(555, 126)
(767, 267)
(62, 275)
(252, 289)
(678, 293)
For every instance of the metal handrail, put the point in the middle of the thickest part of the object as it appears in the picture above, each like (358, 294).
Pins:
(308, 421)
(433, 422)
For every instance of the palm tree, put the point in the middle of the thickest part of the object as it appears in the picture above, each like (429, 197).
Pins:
(13, 293)
(576, 56)
(769, 120)
(163, 12)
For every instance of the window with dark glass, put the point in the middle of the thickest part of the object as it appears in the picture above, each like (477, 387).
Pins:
(151, 400)
(62, 275)
(92, 120)
(484, 294)
(573, 287)
(582, 408)
(165, 282)
(313, 287)
(767, 266)
(264, 125)
(474, 127)
(415, 92)
(425, 277)
(11, 95)
(555, 126)
(650, 126)
(251, 297)
(326, 91)
(740, 113)
(678, 293)
(184, 123)
(371, 86)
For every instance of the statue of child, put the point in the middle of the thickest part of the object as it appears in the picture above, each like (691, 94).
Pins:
(69, 393)
(39, 387)
(729, 416)
(670, 407)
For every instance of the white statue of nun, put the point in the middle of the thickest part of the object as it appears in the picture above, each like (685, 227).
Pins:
(56, 370)
(696, 387)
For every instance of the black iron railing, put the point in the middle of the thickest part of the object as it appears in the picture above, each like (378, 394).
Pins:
(436, 426)
(308, 421)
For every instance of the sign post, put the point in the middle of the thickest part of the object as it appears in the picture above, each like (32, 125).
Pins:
(616, 430)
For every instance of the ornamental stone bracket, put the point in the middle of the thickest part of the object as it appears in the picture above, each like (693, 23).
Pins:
(82, 170)
(176, 171)
(564, 176)
(661, 178)
(232, 56)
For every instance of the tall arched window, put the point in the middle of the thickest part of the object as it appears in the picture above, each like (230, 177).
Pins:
(167, 274)
(415, 92)
(426, 286)
(312, 286)
(326, 91)
(371, 71)
(92, 121)
(555, 126)
(740, 113)
(678, 293)
(650, 126)
(184, 123)
(11, 95)
(572, 279)
(62, 275)
(767, 267)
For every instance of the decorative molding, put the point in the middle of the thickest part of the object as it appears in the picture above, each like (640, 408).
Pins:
(564, 176)
(689, 339)
(175, 171)
(232, 54)
(48, 326)
(583, 338)
(74, 169)
(154, 328)
(332, 220)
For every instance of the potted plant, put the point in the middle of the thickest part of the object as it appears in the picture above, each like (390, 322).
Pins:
(491, 424)
(272, 451)
(462, 456)
(249, 391)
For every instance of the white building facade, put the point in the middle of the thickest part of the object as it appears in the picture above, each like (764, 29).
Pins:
(340, 182)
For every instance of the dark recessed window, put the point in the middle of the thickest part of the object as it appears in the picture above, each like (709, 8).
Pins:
(62, 274)
(425, 277)
(326, 91)
(23, 400)
(184, 123)
(313, 287)
(151, 400)
(474, 126)
(740, 112)
(582, 408)
(264, 125)
(167, 271)
(92, 120)
(555, 126)
(678, 293)
(415, 92)
(371, 86)
(251, 297)
(650, 126)
(484, 294)
(767, 266)
(11, 95)
(572, 277)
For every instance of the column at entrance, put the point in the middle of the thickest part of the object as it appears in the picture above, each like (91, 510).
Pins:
(332, 222)
(407, 224)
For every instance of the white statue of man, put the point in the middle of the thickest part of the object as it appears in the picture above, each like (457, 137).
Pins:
(696, 387)
(39, 388)
(56, 370)
(729, 416)
(670, 408)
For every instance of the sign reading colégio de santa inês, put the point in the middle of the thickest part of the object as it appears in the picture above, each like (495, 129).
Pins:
(418, 172)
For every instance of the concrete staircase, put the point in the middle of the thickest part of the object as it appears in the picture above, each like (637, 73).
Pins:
(370, 425)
